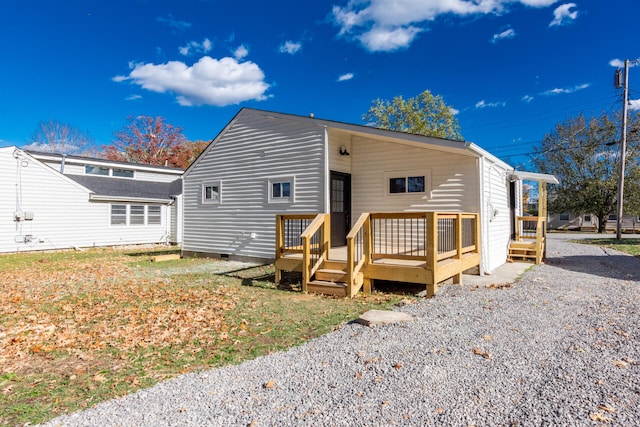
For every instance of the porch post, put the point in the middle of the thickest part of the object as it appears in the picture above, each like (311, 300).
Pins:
(431, 219)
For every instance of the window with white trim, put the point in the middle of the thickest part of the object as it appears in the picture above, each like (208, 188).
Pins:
(136, 215)
(407, 182)
(96, 170)
(211, 192)
(118, 215)
(122, 173)
(154, 215)
(281, 190)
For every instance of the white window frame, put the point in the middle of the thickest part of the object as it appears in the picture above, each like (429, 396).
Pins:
(204, 187)
(126, 217)
(142, 215)
(280, 180)
(159, 216)
(406, 174)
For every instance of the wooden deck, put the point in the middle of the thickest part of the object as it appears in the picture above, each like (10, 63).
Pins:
(426, 248)
(531, 240)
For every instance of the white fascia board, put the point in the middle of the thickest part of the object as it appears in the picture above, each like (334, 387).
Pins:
(100, 198)
(30, 158)
(534, 176)
(108, 163)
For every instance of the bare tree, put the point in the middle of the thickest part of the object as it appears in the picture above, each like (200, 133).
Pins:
(55, 137)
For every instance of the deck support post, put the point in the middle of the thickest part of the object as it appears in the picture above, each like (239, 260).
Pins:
(279, 246)
(432, 252)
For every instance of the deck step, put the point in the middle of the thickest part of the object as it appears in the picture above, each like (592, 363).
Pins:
(327, 288)
(331, 275)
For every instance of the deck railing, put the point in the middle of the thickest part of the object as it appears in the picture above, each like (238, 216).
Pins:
(423, 239)
(306, 234)
(358, 251)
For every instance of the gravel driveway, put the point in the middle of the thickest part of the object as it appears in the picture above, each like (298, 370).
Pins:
(559, 347)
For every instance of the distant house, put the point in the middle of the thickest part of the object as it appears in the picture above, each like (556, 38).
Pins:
(264, 164)
(589, 222)
(52, 201)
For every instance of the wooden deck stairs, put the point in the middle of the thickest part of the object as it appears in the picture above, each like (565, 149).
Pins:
(530, 242)
(523, 251)
(331, 279)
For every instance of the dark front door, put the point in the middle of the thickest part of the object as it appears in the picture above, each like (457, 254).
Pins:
(512, 208)
(340, 200)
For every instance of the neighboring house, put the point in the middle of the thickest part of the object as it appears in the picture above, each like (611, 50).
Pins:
(589, 222)
(52, 201)
(264, 163)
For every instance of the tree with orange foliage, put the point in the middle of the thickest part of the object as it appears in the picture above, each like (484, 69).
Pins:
(152, 141)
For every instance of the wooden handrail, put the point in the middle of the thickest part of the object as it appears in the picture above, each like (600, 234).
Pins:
(362, 227)
(309, 264)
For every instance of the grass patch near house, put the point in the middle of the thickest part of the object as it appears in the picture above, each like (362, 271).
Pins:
(628, 245)
(77, 328)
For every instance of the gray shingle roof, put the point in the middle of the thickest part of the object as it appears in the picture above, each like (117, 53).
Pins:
(123, 187)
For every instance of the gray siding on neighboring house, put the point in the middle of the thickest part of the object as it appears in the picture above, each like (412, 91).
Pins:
(254, 148)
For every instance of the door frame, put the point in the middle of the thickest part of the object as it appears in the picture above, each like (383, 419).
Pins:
(347, 200)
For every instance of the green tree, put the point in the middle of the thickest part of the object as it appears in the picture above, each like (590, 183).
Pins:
(424, 114)
(583, 153)
(62, 138)
(152, 141)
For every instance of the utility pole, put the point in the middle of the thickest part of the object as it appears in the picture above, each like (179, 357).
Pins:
(623, 145)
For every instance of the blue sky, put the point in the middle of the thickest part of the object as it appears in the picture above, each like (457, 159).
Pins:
(511, 69)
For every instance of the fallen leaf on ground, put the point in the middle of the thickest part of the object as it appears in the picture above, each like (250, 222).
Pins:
(606, 408)
(481, 353)
(599, 417)
(270, 384)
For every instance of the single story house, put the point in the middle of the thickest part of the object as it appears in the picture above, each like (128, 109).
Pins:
(53, 201)
(264, 164)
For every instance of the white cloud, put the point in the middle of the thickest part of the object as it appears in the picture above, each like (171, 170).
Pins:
(174, 23)
(506, 34)
(565, 90)
(380, 39)
(618, 63)
(133, 97)
(290, 47)
(483, 104)
(388, 25)
(241, 52)
(345, 77)
(634, 104)
(194, 47)
(562, 15)
(527, 98)
(209, 81)
(454, 111)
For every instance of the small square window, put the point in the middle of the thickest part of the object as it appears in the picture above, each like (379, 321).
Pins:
(211, 193)
(397, 185)
(281, 190)
(415, 184)
(564, 217)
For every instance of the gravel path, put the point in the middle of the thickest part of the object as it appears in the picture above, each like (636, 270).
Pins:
(559, 347)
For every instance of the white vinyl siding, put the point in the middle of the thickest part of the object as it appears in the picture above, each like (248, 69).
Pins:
(451, 179)
(64, 217)
(496, 215)
(252, 150)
